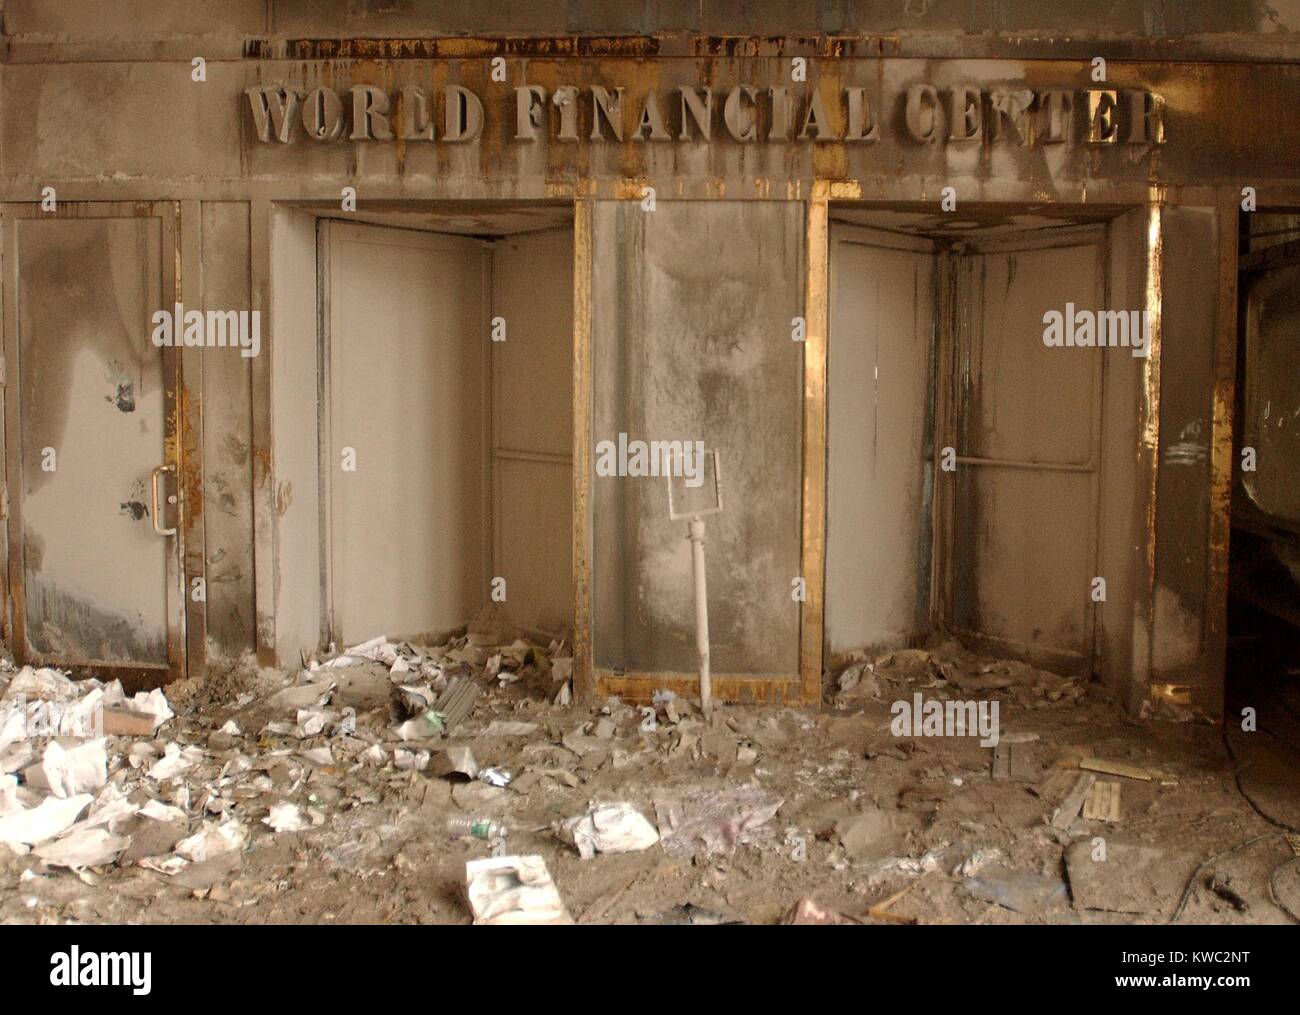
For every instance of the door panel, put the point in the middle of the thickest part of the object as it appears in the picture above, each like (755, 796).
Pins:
(95, 582)
(532, 426)
(408, 339)
(1028, 425)
(878, 531)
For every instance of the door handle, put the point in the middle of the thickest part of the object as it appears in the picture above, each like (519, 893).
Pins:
(153, 487)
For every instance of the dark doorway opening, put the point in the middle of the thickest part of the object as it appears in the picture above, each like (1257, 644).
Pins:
(1262, 714)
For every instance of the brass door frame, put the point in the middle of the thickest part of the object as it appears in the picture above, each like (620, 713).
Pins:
(804, 687)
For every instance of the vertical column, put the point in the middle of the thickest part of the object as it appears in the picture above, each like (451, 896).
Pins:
(584, 681)
(813, 527)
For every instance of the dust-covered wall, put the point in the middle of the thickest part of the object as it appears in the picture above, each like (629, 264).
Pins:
(1182, 576)
(693, 336)
(227, 440)
(294, 430)
(532, 426)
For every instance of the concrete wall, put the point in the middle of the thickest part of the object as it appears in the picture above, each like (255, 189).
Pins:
(1120, 662)
(1189, 307)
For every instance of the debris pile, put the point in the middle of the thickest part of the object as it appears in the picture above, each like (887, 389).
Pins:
(60, 797)
(397, 781)
(952, 671)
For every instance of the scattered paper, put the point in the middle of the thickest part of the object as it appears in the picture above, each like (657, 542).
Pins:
(69, 772)
(83, 847)
(212, 840)
(51, 817)
(513, 890)
(609, 828)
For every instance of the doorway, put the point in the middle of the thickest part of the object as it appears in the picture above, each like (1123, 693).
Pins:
(1263, 653)
(445, 437)
(406, 375)
(973, 482)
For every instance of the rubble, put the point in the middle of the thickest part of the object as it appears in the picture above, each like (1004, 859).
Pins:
(68, 772)
(1128, 877)
(376, 781)
(31, 826)
(873, 834)
(717, 821)
(807, 913)
(1019, 891)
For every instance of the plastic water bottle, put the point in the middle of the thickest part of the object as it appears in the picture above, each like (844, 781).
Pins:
(465, 826)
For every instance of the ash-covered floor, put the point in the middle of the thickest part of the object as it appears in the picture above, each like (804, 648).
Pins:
(331, 795)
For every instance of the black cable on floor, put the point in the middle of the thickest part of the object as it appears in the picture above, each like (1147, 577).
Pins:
(1236, 778)
(1191, 881)
(1272, 878)
(1272, 887)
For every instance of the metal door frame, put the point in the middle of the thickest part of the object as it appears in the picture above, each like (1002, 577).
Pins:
(12, 589)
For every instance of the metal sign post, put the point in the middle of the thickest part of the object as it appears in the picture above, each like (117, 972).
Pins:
(694, 494)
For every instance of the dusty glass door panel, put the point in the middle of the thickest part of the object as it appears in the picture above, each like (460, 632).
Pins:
(692, 307)
(92, 535)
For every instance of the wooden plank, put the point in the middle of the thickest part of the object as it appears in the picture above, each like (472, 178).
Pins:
(1102, 802)
(1073, 802)
(1119, 768)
